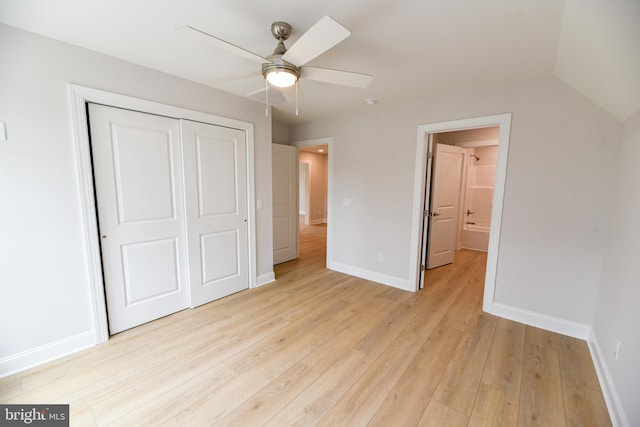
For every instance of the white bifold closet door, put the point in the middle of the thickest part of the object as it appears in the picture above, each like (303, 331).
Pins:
(216, 202)
(172, 213)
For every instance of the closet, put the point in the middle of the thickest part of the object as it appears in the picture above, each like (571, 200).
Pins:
(171, 198)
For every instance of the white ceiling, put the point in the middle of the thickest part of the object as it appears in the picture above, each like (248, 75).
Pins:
(414, 48)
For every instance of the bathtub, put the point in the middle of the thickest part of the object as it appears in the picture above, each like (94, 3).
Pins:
(475, 237)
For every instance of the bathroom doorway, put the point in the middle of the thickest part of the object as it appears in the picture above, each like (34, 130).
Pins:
(422, 194)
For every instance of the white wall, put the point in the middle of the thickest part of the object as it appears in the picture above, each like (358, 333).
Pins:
(45, 306)
(280, 133)
(617, 314)
(559, 184)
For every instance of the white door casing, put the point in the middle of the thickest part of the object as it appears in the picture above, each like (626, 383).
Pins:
(444, 205)
(138, 173)
(216, 210)
(285, 203)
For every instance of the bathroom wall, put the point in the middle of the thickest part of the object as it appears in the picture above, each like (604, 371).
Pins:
(478, 191)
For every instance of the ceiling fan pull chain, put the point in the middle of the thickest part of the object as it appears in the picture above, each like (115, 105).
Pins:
(296, 98)
(266, 98)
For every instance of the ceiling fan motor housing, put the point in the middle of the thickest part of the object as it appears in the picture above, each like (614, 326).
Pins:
(281, 30)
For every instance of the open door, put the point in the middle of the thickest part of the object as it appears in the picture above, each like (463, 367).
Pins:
(425, 211)
(285, 203)
(444, 205)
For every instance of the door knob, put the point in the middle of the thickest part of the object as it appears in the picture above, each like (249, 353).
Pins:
(432, 214)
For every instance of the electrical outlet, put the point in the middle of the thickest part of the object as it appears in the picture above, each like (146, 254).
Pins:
(380, 257)
(616, 350)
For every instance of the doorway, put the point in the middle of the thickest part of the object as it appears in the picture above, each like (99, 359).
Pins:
(462, 185)
(422, 193)
(313, 184)
(315, 189)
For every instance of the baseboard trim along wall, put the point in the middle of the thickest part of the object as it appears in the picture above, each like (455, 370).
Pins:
(265, 279)
(37, 356)
(614, 406)
(395, 282)
(543, 321)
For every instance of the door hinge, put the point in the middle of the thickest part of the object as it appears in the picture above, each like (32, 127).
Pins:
(425, 213)
(422, 268)
(429, 155)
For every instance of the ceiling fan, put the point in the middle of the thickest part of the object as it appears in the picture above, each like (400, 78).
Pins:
(284, 67)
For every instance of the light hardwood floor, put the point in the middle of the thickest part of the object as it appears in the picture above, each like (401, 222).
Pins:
(322, 348)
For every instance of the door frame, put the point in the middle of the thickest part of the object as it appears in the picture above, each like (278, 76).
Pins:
(329, 142)
(503, 121)
(79, 96)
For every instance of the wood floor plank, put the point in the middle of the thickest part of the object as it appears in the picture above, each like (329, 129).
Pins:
(576, 364)
(494, 408)
(263, 405)
(585, 407)
(583, 399)
(503, 369)
(541, 397)
(314, 402)
(406, 402)
(459, 384)
(10, 387)
(318, 347)
(439, 415)
(361, 401)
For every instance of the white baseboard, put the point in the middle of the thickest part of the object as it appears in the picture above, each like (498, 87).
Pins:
(614, 406)
(543, 321)
(265, 279)
(37, 356)
(395, 282)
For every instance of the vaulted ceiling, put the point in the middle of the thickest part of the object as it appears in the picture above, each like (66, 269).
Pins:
(414, 48)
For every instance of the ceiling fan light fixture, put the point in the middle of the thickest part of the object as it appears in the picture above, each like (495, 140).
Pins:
(281, 74)
(282, 78)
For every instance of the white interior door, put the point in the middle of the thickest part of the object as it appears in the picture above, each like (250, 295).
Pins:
(139, 191)
(425, 220)
(285, 203)
(444, 205)
(216, 210)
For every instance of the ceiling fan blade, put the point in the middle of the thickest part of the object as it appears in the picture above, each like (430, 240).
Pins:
(230, 78)
(322, 36)
(290, 93)
(275, 96)
(221, 44)
(345, 78)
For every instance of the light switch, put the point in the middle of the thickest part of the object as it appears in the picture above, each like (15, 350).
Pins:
(259, 203)
(3, 131)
